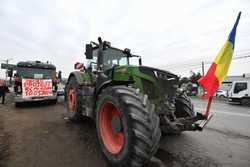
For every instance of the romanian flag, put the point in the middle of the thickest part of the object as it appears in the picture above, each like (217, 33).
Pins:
(219, 68)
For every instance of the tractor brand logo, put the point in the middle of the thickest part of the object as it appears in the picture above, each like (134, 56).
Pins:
(37, 87)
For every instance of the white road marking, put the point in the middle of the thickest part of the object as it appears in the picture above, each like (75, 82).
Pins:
(227, 113)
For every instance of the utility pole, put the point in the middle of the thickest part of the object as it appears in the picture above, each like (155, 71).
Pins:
(202, 65)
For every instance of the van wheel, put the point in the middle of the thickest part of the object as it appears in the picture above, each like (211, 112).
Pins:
(54, 101)
(245, 102)
(18, 104)
(222, 96)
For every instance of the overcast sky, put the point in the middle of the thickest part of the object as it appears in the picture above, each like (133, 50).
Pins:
(173, 35)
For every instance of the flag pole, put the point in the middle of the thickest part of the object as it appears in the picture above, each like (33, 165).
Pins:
(210, 99)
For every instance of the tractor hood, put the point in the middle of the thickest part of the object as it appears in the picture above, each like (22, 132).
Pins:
(158, 73)
(164, 83)
(131, 71)
(152, 81)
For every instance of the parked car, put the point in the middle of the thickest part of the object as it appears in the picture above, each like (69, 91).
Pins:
(60, 90)
(221, 93)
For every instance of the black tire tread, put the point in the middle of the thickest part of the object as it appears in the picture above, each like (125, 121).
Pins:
(184, 107)
(77, 116)
(146, 138)
(245, 102)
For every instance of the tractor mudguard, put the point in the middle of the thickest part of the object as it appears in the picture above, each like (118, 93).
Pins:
(111, 83)
(80, 79)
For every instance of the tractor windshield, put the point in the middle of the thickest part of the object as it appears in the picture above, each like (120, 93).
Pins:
(112, 57)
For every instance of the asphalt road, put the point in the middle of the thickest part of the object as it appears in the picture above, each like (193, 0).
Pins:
(224, 142)
(39, 135)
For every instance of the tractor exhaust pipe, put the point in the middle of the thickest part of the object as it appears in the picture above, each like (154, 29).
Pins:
(100, 55)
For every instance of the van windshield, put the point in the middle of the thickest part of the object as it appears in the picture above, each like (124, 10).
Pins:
(35, 73)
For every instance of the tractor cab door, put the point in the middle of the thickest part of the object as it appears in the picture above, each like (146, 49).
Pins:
(112, 57)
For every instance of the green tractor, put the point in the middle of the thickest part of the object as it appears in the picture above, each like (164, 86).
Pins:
(131, 105)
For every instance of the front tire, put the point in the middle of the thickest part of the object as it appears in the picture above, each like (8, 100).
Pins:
(184, 107)
(74, 100)
(128, 128)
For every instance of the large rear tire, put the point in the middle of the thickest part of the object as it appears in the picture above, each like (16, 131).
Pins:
(74, 100)
(128, 128)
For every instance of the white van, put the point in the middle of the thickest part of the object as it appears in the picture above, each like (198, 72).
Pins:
(240, 92)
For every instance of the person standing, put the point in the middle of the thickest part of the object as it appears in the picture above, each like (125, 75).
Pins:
(3, 90)
(59, 76)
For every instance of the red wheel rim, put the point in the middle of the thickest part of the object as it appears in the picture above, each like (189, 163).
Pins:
(72, 100)
(112, 140)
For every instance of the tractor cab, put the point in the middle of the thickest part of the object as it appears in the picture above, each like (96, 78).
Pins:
(105, 57)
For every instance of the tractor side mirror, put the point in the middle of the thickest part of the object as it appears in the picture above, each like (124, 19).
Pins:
(140, 61)
(89, 51)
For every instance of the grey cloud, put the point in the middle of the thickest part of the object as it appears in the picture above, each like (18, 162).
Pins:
(163, 32)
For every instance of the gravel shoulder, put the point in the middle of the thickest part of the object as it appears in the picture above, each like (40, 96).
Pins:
(39, 135)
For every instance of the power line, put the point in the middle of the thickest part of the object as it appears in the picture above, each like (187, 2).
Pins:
(190, 64)
(241, 57)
